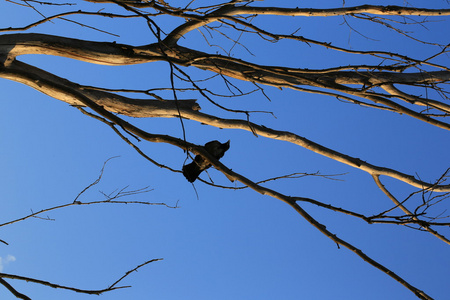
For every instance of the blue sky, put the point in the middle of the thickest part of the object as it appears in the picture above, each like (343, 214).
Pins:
(225, 244)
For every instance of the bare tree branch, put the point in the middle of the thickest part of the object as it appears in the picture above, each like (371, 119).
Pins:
(385, 80)
(13, 290)
(78, 290)
(62, 89)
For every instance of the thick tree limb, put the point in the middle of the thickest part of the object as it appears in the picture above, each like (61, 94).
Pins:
(338, 81)
(118, 54)
(63, 89)
(234, 176)
(231, 10)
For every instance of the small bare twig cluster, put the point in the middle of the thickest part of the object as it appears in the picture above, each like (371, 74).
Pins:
(110, 198)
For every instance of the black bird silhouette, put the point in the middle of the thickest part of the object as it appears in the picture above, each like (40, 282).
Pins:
(215, 148)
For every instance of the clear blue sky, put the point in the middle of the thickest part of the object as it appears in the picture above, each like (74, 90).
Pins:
(225, 244)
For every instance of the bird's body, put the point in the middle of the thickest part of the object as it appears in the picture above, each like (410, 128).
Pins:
(193, 170)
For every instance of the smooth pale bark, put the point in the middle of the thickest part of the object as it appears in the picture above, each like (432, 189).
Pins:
(13, 45)
(336, 82)
(46, 82)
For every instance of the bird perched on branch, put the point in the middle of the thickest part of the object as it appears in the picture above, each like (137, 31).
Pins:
(193, 170)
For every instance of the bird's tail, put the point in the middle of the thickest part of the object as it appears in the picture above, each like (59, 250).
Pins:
(191, 171)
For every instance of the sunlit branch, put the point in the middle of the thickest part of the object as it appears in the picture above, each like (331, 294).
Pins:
(231, 10)
(292, 202)
(116, 54)
(377, 84)
(407, 62)
(232, 176)
(407, 212)
(64, 90)
(391, 89)
(354, 83)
